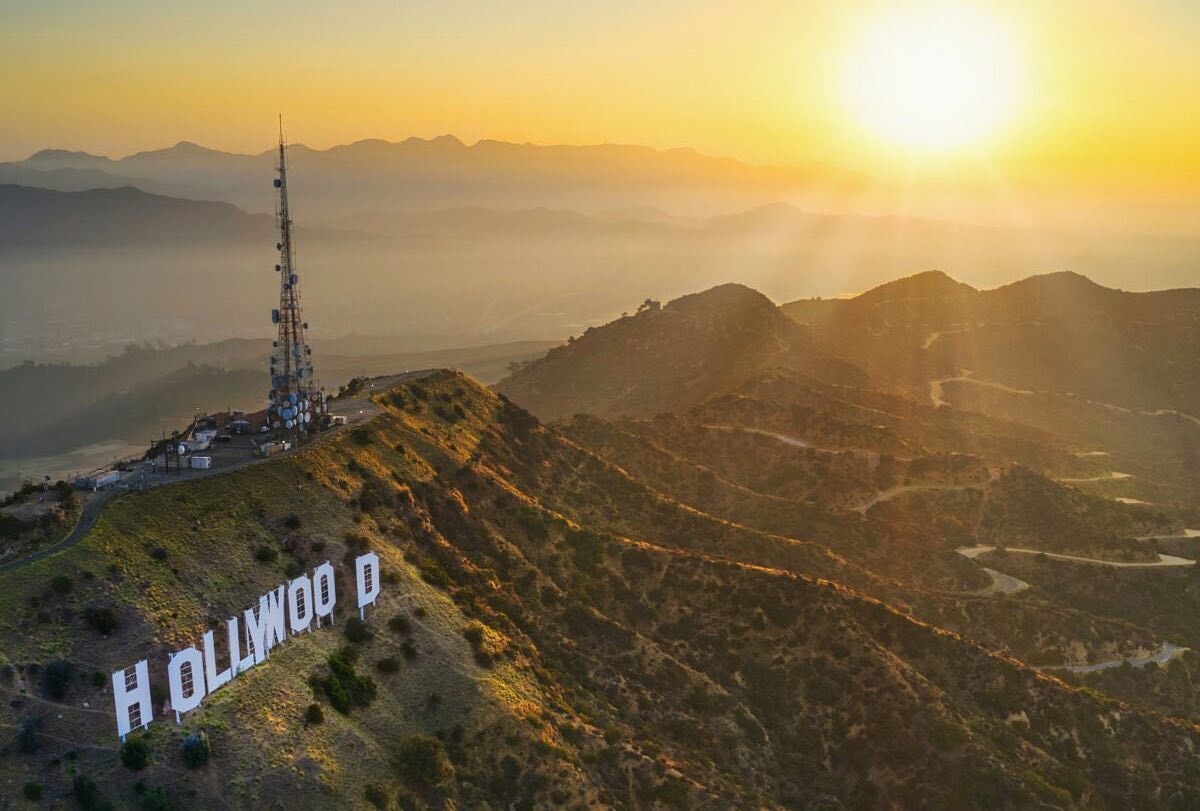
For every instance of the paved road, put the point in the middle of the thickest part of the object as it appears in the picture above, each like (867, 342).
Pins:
(1164, 654)
(889, 494)
(1007, 584)
(935, 387)
(1107, 477)
(1163, 560)
(1002, 583)
(88, 514)
(356, 409)
(784, 438)
(1187, 533)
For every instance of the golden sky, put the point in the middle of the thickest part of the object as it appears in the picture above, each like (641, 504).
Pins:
(1100, 93)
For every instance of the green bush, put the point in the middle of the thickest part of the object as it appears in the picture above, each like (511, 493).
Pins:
(422, 761)
(62, 583)
(345, 687)
(135, 753)
(265, 554)
(399, 624)
(196, 750)
(389, 664)
(32, 791)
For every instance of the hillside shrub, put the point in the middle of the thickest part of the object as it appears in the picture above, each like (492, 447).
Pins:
(399, 624)
(62, 584)
(587, 548)
(376, 795)
(292, 521)
(26, 739)
(314, 715)
(57, 678)
(265, 554)
(357, 631)
(156, 799)
(88, 794)
(135, 753)
(101, 619)
(345, 687)
(196, 750)
(388, 664)
(422, 761)
(32, 792)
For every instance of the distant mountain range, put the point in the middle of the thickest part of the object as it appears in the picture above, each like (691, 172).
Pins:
(124, 216)
(1096, 368)
(417, 174)
(1058, 332)
(472, 244)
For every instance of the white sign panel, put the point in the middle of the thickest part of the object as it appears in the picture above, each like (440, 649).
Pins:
(192, 674)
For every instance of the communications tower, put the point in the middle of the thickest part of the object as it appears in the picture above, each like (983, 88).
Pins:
(296, 401)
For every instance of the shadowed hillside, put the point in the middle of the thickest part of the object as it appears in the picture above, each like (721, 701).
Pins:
(552, 657)
(666, 358)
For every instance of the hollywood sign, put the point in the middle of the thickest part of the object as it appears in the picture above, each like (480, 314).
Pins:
(286, 610)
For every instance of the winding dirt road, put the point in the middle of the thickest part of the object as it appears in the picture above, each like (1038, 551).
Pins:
(1163, 655)
(1163, 560)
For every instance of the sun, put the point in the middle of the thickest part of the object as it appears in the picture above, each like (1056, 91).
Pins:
(938, 79)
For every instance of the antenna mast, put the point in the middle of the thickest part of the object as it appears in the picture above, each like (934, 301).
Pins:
(295, 401)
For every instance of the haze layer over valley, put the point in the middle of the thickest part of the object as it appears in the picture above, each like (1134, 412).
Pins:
(441, 244)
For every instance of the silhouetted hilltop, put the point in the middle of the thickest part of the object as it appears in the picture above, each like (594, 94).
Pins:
(1057, 332)
(931, 285)
(121, 216)
(664, 358)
